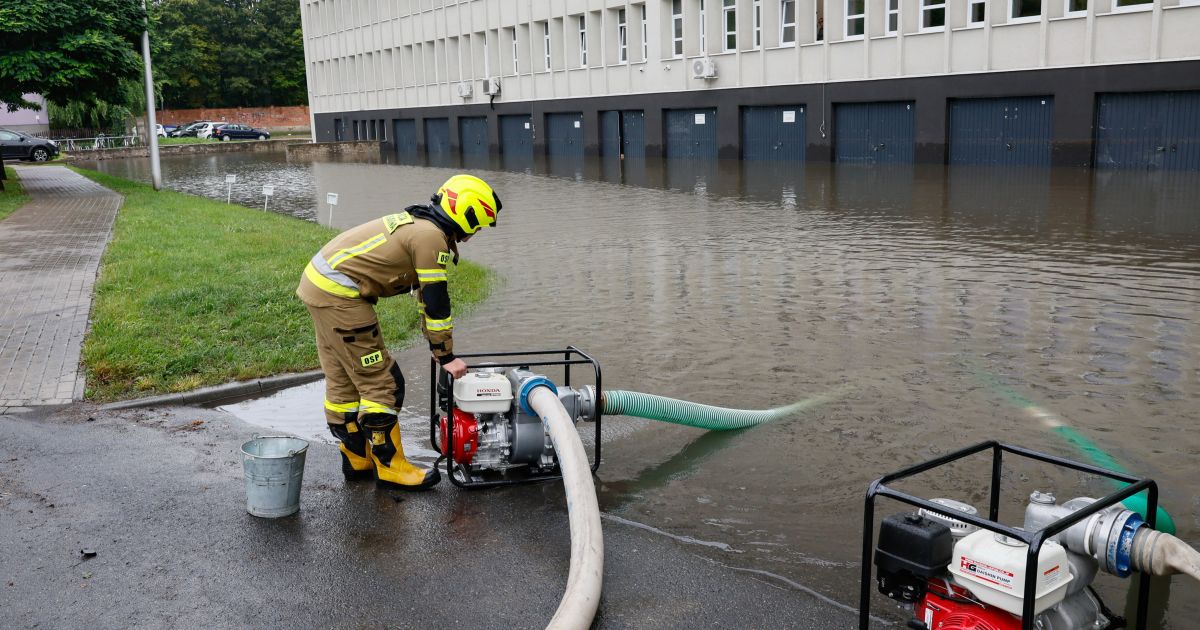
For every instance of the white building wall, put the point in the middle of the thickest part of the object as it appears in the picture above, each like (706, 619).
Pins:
(374, 54)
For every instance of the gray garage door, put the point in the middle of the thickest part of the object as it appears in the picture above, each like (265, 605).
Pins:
(1002, 131)
(873, 133)
(1148, 130)
(773, 133)
(691, 134)
(564, 134)
(404, 136)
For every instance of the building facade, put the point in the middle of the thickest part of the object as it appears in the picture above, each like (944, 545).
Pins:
(27, 120)
(1068, 82)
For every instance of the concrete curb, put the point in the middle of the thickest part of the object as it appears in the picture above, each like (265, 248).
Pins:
(217, 393)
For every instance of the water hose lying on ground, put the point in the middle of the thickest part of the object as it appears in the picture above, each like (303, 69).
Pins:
(582, 595)
(650, 406)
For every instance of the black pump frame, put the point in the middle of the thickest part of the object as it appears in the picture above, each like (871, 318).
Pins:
(1033, 539)
(570, 356)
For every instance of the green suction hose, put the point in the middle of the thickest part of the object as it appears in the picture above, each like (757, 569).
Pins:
(1098, 456)
(618, 402)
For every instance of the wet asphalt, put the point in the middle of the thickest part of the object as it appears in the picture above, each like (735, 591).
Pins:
(158, 495)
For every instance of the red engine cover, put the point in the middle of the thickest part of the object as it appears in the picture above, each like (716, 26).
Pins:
(940, 613)
(466, 436)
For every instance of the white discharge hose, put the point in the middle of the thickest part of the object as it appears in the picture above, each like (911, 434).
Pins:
(582, 596)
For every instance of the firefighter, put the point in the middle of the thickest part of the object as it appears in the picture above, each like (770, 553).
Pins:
(399, 253)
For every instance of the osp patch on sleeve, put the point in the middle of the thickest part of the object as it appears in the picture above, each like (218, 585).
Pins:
(443, 258)
(372, 359)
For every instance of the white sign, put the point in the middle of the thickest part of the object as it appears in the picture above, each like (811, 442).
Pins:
(229, 179)
(331, 199)
(576, 124)
(526, 125)
(789, 116)
(269, 190)
(699, 119)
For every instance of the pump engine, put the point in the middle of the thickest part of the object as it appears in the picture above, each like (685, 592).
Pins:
(957, 576)
(487, 431)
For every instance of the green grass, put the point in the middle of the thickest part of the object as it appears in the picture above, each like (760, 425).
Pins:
(195, 292)
(169, 141)
(13, 196)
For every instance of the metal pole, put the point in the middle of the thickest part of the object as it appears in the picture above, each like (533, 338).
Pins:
(151, 120)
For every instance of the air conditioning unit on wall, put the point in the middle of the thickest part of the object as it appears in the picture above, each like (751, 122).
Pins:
(491, 86)
(464, 89)
(704, 68)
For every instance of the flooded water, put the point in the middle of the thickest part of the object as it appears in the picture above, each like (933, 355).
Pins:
(943, 307)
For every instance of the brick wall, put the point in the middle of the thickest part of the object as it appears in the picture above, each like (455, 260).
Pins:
(293, 118)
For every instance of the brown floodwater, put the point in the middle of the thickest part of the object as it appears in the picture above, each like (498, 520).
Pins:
(941, 306)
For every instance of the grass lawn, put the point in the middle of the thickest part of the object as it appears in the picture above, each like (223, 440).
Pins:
(195, 292)
(170, 141)
(13, 196)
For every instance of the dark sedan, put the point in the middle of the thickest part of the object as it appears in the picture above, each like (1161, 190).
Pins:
(235, 131)
(15, 145)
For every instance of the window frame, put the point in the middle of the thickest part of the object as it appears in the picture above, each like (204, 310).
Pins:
(645, 35)
(583, 43)
(756, 38)
(784, 25)
(516, 51)
(971, 4)
(891, 8)
(677, 49)
(1132, 8)
(728, 10)
(1067, 12)
(703, 31)
(928, 7)
(1025, 19)
(848, 18)
(622, 37)
(547, 58)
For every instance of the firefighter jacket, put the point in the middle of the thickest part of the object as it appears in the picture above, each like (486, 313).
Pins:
(391, 255)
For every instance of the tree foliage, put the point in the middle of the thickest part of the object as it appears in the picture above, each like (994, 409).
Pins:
(228, 53)
(68, 50)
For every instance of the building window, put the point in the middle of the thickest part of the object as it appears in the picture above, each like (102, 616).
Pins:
(516, 57)
(787, 22)
(1076, 7)
(703, 31)
(893, 16)
(1025, 10)
(645, 35)
(855, 17)
(819, 15)
(583, 41)
(757, 24)
(677, 28)
(1132, 5)
(976, 12)
(729, 19)
(622, 37)
(546, 44)
(933, 15)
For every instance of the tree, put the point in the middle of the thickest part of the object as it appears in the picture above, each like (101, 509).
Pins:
(68, 50)
(226, 53)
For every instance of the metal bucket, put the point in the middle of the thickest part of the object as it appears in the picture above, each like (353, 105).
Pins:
(274, 466)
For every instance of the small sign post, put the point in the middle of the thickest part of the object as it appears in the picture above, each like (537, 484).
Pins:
(229, 179)
(331, 199)
(268, 190)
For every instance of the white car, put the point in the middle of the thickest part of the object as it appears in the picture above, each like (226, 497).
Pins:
(205, 129)
(162, 133)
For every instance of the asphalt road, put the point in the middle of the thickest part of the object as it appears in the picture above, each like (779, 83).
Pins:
(159, 496)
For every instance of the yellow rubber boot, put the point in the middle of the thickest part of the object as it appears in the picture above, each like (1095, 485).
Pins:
(387, 454)
(356, 460)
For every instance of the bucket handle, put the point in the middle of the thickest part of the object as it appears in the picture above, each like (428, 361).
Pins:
(290, 453)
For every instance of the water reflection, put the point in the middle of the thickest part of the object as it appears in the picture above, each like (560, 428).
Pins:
(930, 294)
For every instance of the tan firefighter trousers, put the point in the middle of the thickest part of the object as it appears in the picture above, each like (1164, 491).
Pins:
(359, 372)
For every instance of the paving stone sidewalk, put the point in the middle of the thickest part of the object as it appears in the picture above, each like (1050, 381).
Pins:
(51, 252)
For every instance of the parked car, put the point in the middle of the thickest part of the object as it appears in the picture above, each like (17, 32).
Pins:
(237, 131)
(205, 129)
(182, 130)
(161, 131)
(15, 145)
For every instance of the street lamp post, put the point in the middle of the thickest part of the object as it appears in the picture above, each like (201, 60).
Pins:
(151, 120)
